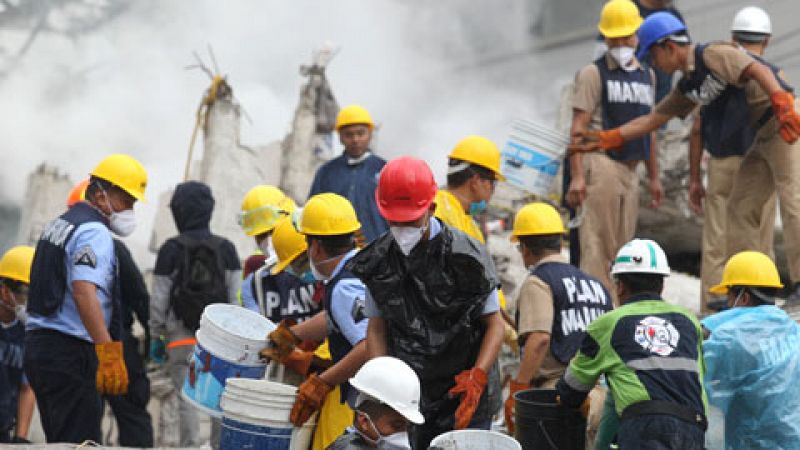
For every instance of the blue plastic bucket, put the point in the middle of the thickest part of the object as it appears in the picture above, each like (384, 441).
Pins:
(256, 416)
(228, 343)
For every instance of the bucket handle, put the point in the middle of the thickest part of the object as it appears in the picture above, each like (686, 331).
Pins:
(518, 163)
(546, 435)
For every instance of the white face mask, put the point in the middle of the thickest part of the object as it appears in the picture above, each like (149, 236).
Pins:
(123, 222)
(268, 250)
(623, 56)
(319, 276)
(395, 441)
(408, 237)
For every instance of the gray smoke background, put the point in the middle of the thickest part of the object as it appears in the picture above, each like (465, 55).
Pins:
(104, 76)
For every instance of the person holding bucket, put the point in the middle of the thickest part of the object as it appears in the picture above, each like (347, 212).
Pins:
(771, 164)
(388, 401)
(608, 92)
(329, 223)
(651, 354)
(433, 303)
(556, 303)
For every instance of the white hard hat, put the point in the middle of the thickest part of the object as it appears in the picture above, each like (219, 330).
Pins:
(641, 256)
(752, 19)
(393, 383)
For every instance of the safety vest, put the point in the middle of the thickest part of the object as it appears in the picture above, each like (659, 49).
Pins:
(648, 350)
(726, 126)
(626, 96)
(578, 299)
(284, 296)
(49, 273)
(338, 344)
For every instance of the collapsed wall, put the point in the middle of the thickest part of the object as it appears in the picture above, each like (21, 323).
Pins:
(45, 198)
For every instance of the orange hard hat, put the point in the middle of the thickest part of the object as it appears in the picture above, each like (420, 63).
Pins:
(78, 193)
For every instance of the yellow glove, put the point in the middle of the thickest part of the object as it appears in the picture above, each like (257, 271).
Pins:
(512, 339)
(112, 376)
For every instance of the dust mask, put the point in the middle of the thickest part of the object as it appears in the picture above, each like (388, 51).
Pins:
(623, 56)
(268, 250)
(121, 223)
(407, 237)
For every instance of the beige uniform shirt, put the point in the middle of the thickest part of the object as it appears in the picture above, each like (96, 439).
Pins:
(726, 61)
(535, 305)
(588, 91)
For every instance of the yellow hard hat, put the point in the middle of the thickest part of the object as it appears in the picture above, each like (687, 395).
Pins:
(16, 264)
(536, 219)
(619, 18)
(262, 207)
(328, 215)
(353, 115)
(288, 243)
(479, 151)
(748, 268)
(124, 172)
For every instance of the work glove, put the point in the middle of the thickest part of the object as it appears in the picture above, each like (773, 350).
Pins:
(282, 342)
(788, 119)
(469, 385)
(513, 388)
(592, 141)
(112, 376)
(298, 360)
(158, 350)
(310, 396)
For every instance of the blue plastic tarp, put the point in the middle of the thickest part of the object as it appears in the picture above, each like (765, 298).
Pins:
(753, 375)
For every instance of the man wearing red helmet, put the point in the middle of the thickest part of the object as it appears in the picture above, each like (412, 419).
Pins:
(432, 303)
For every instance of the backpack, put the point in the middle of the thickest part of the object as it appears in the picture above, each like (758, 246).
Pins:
(199, 279)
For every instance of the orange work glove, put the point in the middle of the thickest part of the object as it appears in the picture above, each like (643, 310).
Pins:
(299, 361)
(112, 376)
(282, 342)
(469, 385)
(513, 388)
(592, 141)
(789, 121)
(310, 396)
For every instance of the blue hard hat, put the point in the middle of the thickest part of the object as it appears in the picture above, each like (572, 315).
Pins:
(656, 27)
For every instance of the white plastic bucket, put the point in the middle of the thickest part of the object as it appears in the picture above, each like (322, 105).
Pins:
(532, 156)
(256, 416)
(474, 440)
(228, 342)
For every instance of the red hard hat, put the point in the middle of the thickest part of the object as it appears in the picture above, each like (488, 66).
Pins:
(405, 189)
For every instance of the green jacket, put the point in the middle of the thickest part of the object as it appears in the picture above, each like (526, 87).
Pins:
(648, 350)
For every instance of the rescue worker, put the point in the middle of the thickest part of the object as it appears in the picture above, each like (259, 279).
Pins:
(130, 410)
(722, 128)
(262, 208)
(284, 289)
(329, 223)
(651, 354)
(555, 305)
(433, 303)
(354, 174)
(192, 205)
(473, 170)
(15, 269)
(608, 92)
(752, 358)
(73, 352)
(770, 164)
(388, 401)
